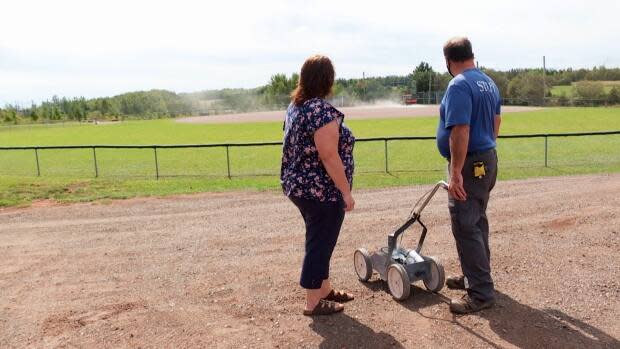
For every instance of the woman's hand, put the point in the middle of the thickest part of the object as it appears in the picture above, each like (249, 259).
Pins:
(349, 203)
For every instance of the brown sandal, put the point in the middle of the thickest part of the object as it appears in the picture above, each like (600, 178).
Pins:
(339, 296)
(325, 307)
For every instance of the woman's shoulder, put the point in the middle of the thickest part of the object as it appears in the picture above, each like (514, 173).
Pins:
(320, 105)
(292, 108)
(317, 101)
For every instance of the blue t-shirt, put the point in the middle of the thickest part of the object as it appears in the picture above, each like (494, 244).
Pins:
(473, 99)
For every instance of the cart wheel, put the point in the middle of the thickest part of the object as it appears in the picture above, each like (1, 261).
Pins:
(398, 282)
(435, 281)
(362, 263)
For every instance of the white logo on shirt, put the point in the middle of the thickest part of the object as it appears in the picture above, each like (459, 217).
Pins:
(486, 86)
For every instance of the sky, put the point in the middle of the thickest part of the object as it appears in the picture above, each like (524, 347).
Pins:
(103, 48)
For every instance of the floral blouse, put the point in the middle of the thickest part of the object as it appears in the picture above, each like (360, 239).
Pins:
(302, 174)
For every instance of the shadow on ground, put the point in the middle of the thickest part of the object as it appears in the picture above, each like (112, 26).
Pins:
(343, 331)
(527, 327)
(420, 298)
(516, 323)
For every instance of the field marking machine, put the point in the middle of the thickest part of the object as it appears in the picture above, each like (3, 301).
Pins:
(399, 266)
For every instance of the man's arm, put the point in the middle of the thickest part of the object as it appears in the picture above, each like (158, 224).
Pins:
(496, 123)
(459, 140)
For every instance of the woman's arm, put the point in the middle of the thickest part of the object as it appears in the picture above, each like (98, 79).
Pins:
(326, 141)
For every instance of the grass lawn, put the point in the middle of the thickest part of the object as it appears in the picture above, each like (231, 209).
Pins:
(67, 175)
(569, 91)
(168, 131)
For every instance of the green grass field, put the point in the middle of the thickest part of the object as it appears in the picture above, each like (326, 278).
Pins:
(569, 91)
(67, 175)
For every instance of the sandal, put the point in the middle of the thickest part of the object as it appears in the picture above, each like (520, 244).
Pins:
(325, 307)
(339, 296)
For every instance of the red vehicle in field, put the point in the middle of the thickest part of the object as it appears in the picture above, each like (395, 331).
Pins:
(409, 99)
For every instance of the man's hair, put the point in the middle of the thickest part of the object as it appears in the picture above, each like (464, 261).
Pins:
(316, 79)
(458, 49)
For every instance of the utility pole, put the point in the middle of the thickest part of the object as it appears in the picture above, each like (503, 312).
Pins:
(430, 84)
(544, 80)
(364, 81)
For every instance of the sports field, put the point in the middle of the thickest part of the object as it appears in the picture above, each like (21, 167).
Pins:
(569, 90)
(69, 174)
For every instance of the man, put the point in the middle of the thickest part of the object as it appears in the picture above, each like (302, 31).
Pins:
(468, 127)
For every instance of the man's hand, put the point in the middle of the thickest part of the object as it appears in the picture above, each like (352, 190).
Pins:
(455, 188)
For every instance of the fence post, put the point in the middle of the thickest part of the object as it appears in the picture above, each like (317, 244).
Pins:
(546, 151)
(385, 147)
(227, 162)
(36, 155)
(156, 162)
(95, 161)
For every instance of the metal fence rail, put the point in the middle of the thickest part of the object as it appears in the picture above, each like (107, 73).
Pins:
(156, 170)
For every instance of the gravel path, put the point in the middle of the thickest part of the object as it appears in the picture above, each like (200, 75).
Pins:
(221, 271)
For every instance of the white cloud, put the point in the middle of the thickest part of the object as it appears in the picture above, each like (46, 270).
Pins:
(95, 48)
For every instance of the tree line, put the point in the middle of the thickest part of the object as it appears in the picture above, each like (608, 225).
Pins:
(517, 86)
(142, 104)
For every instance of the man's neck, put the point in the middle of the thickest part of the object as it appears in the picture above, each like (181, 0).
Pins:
(463, 66)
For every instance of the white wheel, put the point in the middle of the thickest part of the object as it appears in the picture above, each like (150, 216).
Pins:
(398, 282)
(362, 264)
(437, 277)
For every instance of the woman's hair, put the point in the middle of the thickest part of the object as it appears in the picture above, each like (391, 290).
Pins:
(316, 79)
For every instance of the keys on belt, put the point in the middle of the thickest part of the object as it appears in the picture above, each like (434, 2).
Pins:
(479, 169)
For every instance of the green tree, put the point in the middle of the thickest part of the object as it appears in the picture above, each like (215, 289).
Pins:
(56, 114)
(359, 89)
(423, 75)
(10, 115)
(34, 113)
(278, 90)
(104, 107)
(527, 88)
(589, 90)
(614, 96)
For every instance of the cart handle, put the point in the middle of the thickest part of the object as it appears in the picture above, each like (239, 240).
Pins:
(417, 210)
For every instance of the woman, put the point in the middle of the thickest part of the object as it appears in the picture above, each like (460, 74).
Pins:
(316, 175)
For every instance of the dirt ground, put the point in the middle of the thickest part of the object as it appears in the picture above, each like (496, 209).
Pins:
(351, 113)
(221, 271)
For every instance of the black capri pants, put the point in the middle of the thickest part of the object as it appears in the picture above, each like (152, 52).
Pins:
(323, 221)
